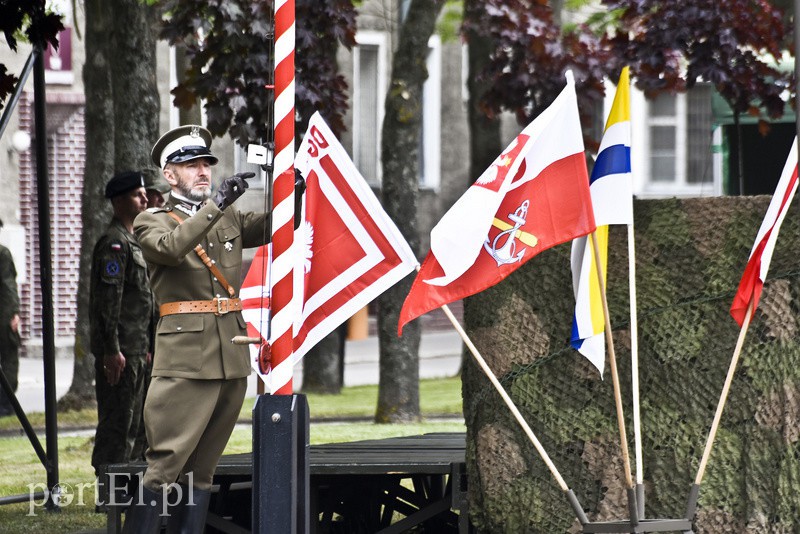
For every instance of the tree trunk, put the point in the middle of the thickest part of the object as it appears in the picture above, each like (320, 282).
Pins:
(485, 142)
(99, 167)
(323, 364)
(120, 87)
(398, 386)
(192, 115)
(136, 103)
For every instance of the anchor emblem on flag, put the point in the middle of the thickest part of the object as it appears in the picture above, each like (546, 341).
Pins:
(503, 248)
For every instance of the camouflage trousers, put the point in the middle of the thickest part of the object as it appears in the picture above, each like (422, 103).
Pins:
(120, 426)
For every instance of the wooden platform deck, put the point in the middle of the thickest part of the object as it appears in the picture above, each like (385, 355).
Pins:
(385, 486)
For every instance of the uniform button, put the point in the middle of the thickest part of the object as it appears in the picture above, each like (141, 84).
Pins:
(211, 245)
(209, 216)
(179, 328)
(213, 262)
(215, 279)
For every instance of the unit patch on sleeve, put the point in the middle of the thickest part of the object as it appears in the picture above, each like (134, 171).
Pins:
(112, 268)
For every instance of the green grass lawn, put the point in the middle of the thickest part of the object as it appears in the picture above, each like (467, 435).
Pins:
(21, 471)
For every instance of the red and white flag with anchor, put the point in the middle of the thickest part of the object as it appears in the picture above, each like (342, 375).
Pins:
(350, 250)
(534, 196)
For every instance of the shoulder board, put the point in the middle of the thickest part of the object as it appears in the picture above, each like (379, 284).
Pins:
(163, 209)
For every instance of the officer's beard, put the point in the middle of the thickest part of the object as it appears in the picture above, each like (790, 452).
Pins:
(195, 194)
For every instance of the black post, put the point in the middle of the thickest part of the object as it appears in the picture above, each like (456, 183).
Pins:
(46, 282)
(280, 465)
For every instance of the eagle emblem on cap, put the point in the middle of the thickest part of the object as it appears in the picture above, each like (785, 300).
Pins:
(195, 131)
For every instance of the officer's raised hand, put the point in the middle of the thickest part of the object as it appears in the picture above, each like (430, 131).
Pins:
(231, 188)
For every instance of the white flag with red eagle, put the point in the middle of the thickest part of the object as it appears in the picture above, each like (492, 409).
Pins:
(534, 196)
(350, 251)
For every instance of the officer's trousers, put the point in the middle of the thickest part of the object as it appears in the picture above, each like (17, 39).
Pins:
(188, 423)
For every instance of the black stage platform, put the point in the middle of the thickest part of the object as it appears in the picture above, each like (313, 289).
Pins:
(418, 482)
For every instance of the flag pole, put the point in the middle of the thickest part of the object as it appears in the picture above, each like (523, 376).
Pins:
(573, 500)
(283, 249)
(720, 406)
(637, 420)
(612, 358)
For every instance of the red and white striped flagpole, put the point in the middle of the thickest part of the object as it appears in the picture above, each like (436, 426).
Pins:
(280, 378)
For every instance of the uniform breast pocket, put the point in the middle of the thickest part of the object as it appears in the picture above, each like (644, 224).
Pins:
(230, 242)
(139, 273)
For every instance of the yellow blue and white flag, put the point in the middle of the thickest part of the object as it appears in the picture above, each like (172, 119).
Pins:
(612, 200)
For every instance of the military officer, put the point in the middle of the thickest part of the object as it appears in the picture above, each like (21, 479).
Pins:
(121, 323)
(193, 245)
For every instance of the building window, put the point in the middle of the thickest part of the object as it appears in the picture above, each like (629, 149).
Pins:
(370, 78)
(430, 138)
(369, 90)
(679, 134)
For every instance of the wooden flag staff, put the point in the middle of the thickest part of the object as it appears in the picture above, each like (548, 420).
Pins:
(695, 492)
(626, 460)
(573, 500)
(634, 523)
(646, 525)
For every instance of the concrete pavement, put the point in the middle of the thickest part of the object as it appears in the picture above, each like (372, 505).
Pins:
(440, 356)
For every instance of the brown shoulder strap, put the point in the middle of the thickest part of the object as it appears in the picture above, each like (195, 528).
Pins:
(201, 253)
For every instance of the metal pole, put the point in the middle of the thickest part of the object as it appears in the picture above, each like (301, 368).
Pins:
(12, 102)
(46, 282)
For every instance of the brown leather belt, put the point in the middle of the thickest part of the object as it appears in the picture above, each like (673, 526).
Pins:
(217, 306)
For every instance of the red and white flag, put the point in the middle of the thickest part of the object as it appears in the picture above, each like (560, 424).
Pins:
(350, 250)
(755, 273)
(534, 196)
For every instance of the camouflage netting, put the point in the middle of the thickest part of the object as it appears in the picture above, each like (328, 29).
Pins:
(690, 257)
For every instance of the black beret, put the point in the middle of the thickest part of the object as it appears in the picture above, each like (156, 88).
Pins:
(123, 182)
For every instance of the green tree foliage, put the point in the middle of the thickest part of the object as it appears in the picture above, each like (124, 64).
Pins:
(229, 50)
(733, 44)
(29, 20)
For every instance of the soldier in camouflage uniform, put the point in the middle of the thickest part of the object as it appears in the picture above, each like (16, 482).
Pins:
(9, 325)
(156, 187)
(121, 324)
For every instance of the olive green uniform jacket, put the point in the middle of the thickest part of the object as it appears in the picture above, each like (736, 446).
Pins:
(198, 345)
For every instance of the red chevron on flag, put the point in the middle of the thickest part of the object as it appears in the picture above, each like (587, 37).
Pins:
(350, 250)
